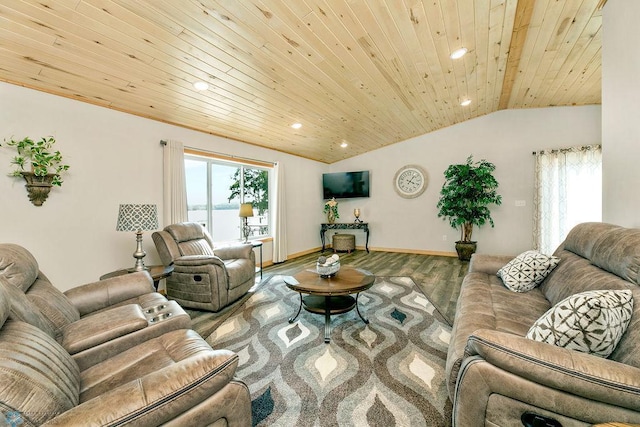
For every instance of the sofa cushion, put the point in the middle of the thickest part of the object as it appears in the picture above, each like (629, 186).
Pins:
(575, 274)
(628, 349)
(23, 310)
(185, 356)
(582, 238)
(17, 266)
(590, 322)
(191, 238)
(240, 271)
(39, 379)
(527, 270)
(485, 303)
(52, 303)
(5, 310)
(618, 252)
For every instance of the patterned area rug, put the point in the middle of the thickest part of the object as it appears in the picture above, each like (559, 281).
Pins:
(387, 373)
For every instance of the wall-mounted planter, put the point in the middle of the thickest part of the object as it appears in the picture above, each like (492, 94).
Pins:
(38, 187)
(39, 165)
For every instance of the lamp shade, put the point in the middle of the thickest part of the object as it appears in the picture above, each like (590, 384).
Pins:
(137, 218)
(246, 210)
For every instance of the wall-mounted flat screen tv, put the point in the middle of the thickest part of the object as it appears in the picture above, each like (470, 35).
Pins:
(345, 185)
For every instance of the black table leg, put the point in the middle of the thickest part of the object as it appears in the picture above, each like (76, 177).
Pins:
(327, 319)
(366, 321)
(293, 318)
(366, 244)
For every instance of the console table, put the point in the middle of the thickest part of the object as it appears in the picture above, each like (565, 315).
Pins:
(345, 225)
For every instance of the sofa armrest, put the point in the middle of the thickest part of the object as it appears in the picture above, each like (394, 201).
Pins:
(489, 264)
(197, 260)
(105, 293)
(571, 371)
(158, 397)
(102, 327)
(244, 250)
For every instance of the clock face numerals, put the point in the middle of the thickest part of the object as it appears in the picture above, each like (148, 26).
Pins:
(410, 181)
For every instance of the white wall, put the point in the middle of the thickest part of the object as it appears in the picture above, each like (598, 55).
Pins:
(505, 138)
(115, 158)
(620, 113)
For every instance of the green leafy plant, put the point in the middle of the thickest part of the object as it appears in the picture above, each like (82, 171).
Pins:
(332, 206)
(37, 157)
(468, 191)
(256, 186)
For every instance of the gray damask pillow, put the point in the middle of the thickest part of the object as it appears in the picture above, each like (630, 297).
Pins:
(527, 270)
(590, 322)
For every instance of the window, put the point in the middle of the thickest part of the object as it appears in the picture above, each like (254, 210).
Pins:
(215, 189)
(568, 192)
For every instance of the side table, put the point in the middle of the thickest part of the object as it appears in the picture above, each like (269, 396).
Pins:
(345, 225)
(157, 272)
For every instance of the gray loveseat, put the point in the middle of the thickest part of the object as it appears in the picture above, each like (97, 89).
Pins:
(495, 374)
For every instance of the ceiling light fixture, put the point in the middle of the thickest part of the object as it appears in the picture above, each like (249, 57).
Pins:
(296, 125)
(344, 144)
(465, 102)
(459, 53)
(201, 85)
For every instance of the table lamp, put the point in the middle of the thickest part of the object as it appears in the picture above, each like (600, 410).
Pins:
(356, 213)
(246, 210)
(137, 218)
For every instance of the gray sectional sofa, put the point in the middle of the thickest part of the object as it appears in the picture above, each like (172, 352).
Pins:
(108, 353)
(496, 375)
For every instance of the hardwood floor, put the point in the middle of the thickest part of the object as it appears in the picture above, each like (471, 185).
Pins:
(439, 277)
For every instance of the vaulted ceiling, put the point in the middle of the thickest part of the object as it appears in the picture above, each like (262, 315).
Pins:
(368, 73)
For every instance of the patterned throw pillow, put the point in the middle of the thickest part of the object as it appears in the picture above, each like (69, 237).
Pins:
(590, 322)
(527, 270)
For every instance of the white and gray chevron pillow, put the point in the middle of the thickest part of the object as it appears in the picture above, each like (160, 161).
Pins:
(527, 270)
(590, 322)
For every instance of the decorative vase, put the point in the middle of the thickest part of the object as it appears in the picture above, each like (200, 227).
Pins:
(465, 250)
(331, 217)
(38, 187)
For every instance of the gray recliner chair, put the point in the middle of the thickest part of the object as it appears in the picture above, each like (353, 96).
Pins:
(204, 278)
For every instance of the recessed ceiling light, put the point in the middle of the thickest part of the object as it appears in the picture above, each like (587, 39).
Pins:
(458, 53)
(344, 144)
(201, 85)
(296, 125)
(465, 102)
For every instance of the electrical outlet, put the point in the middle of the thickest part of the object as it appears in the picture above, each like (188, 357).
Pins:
(444, 237)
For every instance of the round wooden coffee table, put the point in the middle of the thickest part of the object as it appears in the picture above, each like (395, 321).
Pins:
(333, 295)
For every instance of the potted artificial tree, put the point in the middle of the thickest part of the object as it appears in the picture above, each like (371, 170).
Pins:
(39, 165)
(468, 191)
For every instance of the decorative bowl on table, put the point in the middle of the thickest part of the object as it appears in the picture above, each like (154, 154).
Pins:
(328, 266)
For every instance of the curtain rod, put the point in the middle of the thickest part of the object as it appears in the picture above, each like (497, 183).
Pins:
(229, 156)
(568, 150)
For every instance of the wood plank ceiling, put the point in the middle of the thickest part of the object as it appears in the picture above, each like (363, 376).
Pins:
(366, 72)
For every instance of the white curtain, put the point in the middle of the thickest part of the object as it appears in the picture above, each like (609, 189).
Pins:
(279, 216)
(174, 183)
(568, 191)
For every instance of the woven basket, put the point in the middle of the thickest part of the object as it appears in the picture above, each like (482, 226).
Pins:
(344, 242)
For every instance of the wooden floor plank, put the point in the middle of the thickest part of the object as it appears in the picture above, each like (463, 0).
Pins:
(439, 277)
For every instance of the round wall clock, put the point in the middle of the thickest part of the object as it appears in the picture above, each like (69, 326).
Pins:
(410, 181)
